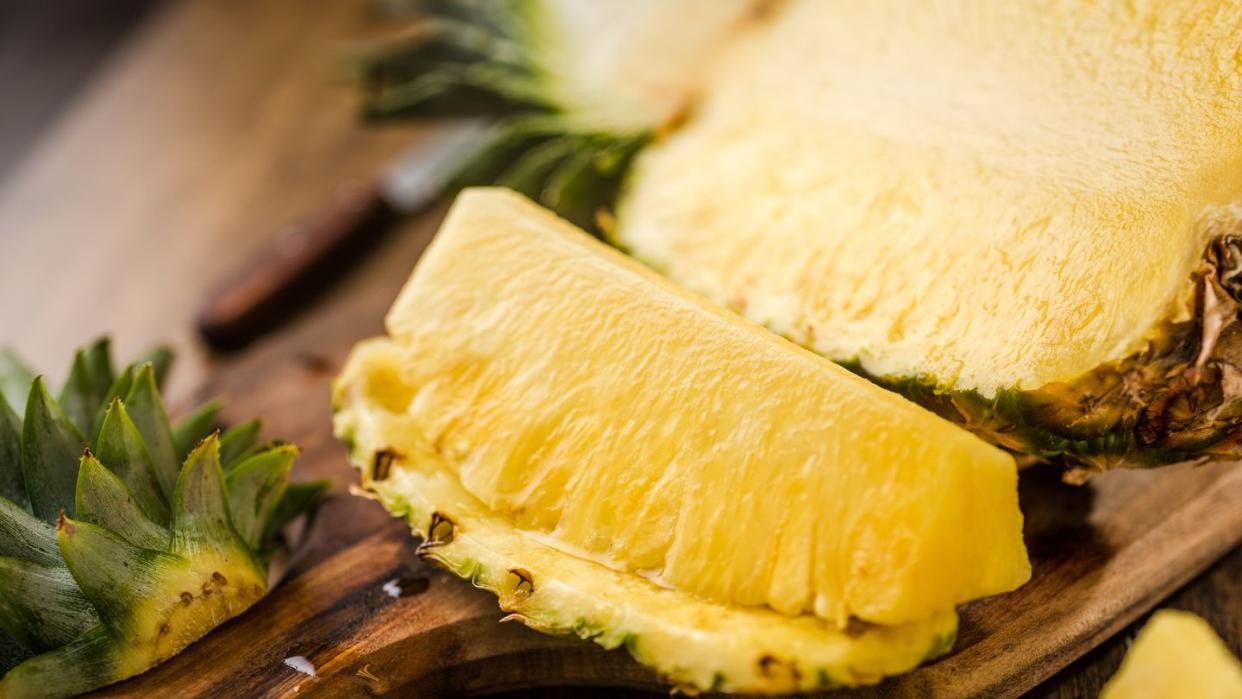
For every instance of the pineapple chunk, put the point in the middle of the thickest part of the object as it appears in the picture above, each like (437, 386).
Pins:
(988, 195)
(570, 394)
(1177, 655)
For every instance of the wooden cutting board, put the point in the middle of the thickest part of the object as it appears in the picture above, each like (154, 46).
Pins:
(216, 126)
(1103, 554)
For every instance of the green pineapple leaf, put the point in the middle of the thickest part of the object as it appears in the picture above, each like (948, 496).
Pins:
(146, 409)
(15, 378)
(22, 535)
(75, 668)
(41, 605)
(51, 446)
(200, 515)
(122, 448)
(12, 653)
(195, 428)
(119, 389)
(80, 397)
(238, 442)
(256, 487)
(160, 360)
(115, 575)
(103, 500)
(298, 499)
(11, 485)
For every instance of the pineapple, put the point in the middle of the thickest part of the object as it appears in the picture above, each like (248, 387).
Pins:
(124, 539)
(1177, 655)
(619, 460)
(1025, 216)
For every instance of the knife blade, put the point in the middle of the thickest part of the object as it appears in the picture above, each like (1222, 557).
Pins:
(306, 255)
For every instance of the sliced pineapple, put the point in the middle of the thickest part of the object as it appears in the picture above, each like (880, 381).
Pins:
(559, 407)
(1026, 216)
(1177, 655)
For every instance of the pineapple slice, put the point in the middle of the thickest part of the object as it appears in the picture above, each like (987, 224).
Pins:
(1176, 655)
(995, 198)
(123, 540)
(1027, 217)
(550, 415)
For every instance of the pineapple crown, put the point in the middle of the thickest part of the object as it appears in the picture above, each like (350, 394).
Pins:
(470, 58)
(108, 512)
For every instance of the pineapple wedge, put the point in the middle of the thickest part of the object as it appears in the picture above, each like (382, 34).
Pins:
(618, 459)
(1025, 216)
(1177, 655)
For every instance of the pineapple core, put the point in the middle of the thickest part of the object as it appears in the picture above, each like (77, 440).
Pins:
(992, 195)
(582, 398)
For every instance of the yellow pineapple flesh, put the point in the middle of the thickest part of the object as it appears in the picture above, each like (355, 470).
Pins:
(1177, 656)
(988, 195)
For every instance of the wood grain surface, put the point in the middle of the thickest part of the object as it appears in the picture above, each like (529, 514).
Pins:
(220, 120)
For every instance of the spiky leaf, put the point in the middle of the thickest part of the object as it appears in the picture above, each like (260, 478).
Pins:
(105, 501)
(121, 447)
(160, 360)
(236, 442)
(41, 605)
(146, 409)
(195, 428)
(119, 389)
(84, 664)
(90, 377)
(22, 535)
(256, 487)
(298, 499)
(200, 516)
(15, 378)
(99, 359)
(51, 446)
(11, 652)
(115, 575)
(11, 485)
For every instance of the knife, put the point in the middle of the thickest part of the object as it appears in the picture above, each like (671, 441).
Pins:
(306, 255)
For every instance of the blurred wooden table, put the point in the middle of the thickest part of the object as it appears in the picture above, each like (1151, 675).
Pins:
(145, 152)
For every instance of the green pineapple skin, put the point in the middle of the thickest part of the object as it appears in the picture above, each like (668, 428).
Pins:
(120, 549)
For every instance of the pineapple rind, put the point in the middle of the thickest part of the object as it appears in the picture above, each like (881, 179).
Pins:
(686, 640)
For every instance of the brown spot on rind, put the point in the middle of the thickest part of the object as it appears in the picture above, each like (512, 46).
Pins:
(219, 579)
(381, 467)
(186, 599)
(524, 585)
(440, 529)
(769, 665)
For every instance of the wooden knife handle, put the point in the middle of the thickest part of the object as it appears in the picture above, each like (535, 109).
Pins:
(299, 262)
